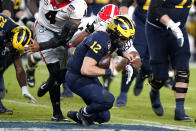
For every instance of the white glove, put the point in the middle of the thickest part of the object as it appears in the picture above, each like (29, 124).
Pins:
(27, 95)
(129, 69)
(176, 31)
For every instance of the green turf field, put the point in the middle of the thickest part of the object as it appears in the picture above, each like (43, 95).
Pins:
(137, 111)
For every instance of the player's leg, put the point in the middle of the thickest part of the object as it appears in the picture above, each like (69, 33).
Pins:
(122, 98)
(142, 74)
(180, 61)
(5, 62)
(66, 91)
(32, 61)
(3, 109)
(140, 44)
(56, 68)
(95, 96)
(157, 39)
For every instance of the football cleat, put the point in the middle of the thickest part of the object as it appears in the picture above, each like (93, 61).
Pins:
(137, 89)
(30, 77)
(43, 89)
(121, 100)
(156, 103)
(181, 116)
(3, 110)
(59, 117)
(85, 119)
(73, 115)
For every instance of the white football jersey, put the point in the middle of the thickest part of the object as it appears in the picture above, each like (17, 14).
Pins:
(53, 16)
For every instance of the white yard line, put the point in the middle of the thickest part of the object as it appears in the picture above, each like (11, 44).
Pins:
(148, 123)
(27, 104)
(157, 124)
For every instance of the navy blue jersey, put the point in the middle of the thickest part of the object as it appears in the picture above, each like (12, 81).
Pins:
(141, 9)
(95, 46)
(6, 25)
(177, 10)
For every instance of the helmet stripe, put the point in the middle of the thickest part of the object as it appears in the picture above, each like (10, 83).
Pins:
(112, 12)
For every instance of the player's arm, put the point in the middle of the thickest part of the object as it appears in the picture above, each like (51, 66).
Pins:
(159, 13)
(124, 6)
(133, 65)
(90, 68)
(21, 77)
(7, 7)
(20, 73)
(96, 50)
(67, 33)
(79, 37)
(32, 6)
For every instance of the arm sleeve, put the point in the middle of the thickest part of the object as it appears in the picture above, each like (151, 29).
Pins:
(52, 43)
(126, 3)
(156, 9)
(67, 33)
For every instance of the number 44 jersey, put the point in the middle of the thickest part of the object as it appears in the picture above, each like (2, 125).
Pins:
(53, 16)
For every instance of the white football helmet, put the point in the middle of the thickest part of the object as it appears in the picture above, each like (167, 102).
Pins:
(104, 16)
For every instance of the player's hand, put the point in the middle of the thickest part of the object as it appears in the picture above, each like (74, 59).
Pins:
(32, 48)
(27, 95)
(90, 28)
(176, 31)
(112, 65)
(129, 69)
(129, 56)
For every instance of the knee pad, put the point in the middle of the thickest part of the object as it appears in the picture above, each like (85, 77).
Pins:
(155, 84)
(181, 76)
(108, 99)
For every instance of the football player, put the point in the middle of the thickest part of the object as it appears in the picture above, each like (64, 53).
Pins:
(50, 30)
(167, 37)
(83, 72)
(140, 43)
(13, 39)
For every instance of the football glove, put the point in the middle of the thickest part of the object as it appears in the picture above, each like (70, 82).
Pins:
(90, 28)
(27, 95)
(176, 31)
(129, 69)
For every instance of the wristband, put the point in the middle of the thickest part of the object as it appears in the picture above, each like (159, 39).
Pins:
(108, 71)
(36, 15)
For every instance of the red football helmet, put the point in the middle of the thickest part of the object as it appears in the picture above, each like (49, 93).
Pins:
(105, 15)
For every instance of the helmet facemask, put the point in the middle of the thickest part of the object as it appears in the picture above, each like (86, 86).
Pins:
(122, 31)
(21, 36)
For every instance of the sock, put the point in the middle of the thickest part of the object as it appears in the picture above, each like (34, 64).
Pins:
(55, 99)
(180, 105)
(155, 97)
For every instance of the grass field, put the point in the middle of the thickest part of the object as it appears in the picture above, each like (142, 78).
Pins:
(137, 111)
